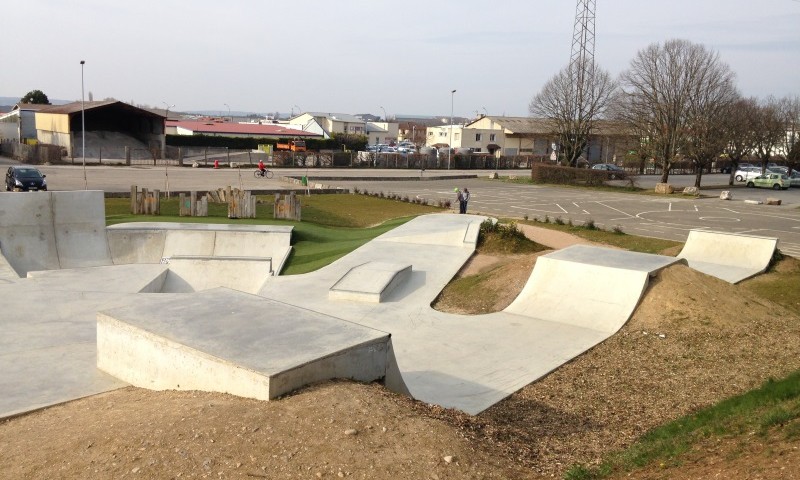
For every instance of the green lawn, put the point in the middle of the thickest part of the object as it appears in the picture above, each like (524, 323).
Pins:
(332, 226)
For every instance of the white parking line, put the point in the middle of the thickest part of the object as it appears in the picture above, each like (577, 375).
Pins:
(616, 210)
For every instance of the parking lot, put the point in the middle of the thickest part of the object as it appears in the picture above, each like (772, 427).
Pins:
(655, 216)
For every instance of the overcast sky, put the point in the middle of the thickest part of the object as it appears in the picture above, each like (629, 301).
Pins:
(352, 56)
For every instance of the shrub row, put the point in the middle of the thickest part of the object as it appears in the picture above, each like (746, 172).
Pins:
(543, 173)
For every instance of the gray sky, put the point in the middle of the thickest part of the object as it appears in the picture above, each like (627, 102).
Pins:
(356, 56)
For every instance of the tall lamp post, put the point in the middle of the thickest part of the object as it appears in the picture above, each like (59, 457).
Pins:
(83, 131)
(386, 120)
(164, 140)
(230, 118)
(450, 145)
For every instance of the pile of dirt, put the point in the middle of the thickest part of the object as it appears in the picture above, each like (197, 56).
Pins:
(692, 341)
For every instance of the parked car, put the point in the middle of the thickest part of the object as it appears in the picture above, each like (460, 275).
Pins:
(794, 179)
(746, 173)
(776, 181)
(613, 170)
(24, 178)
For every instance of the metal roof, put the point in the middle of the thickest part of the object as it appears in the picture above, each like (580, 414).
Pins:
(339, 117)
(241, 128)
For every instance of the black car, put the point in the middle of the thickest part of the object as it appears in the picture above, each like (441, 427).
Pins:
(24, 179)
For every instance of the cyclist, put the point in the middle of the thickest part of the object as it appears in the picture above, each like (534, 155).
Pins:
(261, 167)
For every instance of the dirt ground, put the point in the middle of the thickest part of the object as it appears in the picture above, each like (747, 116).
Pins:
(692, 341)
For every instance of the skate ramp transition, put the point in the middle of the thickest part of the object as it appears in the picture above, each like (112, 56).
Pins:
(731, 257)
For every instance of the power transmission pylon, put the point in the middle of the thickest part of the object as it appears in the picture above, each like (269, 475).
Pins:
(581, 61)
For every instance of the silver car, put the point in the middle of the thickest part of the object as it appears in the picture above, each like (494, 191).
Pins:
(746, 173)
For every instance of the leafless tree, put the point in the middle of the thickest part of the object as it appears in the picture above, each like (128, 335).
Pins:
(707, 108)
(789, 108)
(572, 119)
(769, 130)
(664, 90)
(738, 132)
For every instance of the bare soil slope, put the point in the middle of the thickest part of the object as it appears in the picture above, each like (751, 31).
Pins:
(692, 341)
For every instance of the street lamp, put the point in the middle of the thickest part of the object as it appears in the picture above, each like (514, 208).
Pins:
(386, 120)
(450, 145)
(229, 112)
(164, 140)
(299, 110)
(83, 131)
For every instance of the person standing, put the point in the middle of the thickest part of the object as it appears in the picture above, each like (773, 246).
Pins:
(459, 199)
(464, 200)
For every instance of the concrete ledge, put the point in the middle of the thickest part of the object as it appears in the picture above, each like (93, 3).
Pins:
(371, 282)
(234, 343)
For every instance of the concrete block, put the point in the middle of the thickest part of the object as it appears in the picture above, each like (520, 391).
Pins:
(753, 202)
(726, 195)
(371, 282)
(231, 342)
(773, 201)
(691, 191)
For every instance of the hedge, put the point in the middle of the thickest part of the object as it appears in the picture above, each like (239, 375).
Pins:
(543, 173)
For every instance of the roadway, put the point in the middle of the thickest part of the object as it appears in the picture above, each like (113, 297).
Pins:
(664, 217)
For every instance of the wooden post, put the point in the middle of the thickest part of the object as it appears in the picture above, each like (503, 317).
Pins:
(156, 202)
(193, 204)
(134, 203)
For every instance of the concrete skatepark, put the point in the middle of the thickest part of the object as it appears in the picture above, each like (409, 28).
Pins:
(89, 308)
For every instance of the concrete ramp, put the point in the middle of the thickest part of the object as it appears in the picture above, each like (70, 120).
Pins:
(149, 242)
(231, 342)
(728, 256)
(52, 230)
(371, 282)
(192, 274)
(437, 229)
(589, 287)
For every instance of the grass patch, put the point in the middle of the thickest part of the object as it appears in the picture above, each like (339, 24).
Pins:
(332, 226)
(496, 237)
(781, 285)
(616, 237)
(334, 210)
(776, 402)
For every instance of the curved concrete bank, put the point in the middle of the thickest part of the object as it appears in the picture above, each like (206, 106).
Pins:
(728, 256)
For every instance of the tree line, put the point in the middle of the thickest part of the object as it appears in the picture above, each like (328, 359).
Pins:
(680, 101)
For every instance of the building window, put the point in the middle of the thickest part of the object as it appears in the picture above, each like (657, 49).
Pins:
(492, 137)
(476, 150)
(442, 133)
(478, 137)
(430, 134)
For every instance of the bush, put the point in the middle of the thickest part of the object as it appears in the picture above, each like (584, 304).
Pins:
(543, 173)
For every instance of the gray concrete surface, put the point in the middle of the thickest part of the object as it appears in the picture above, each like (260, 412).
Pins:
(230, 342)
(727, 256)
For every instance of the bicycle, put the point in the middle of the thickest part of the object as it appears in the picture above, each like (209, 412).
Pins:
(263, 173)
